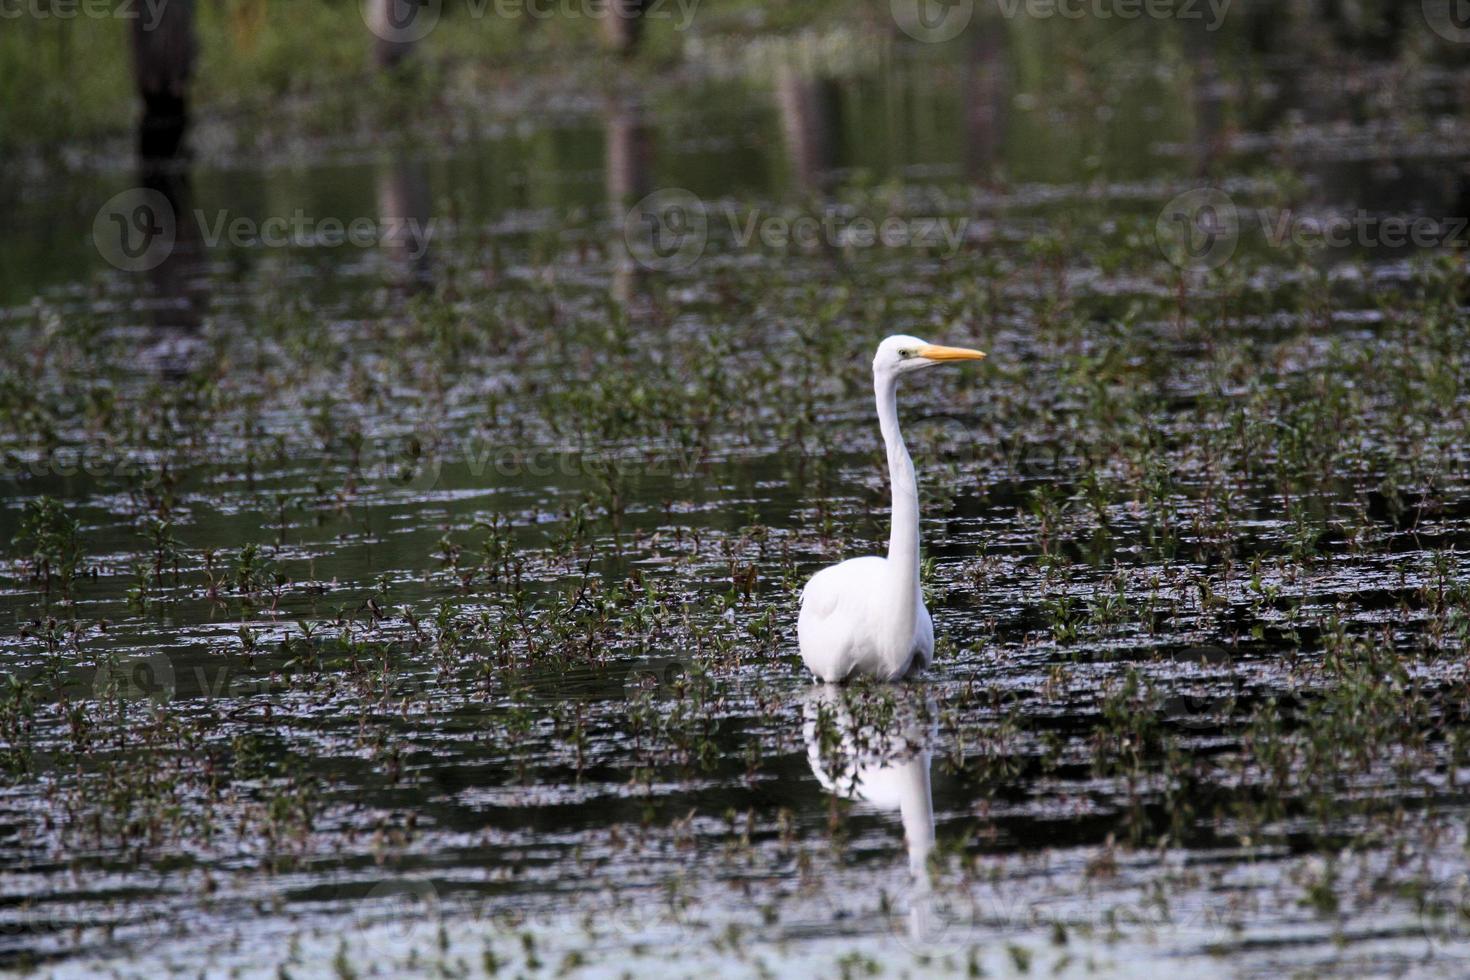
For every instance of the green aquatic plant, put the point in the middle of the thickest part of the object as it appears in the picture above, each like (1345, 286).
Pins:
(253, 573)
(50, 545)
(1266, 458)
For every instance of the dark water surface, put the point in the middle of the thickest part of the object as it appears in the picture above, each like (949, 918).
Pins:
(431, 604)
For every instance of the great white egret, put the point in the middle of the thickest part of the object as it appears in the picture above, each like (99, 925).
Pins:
(866, 616)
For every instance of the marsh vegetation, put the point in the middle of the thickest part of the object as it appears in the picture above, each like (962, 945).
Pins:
(436, 615)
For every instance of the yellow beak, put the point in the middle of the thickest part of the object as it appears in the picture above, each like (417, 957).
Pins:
(936, 353)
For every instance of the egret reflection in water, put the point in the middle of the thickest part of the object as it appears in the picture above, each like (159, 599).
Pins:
(873, 746)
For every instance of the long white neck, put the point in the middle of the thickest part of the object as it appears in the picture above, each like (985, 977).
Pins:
(903, 537)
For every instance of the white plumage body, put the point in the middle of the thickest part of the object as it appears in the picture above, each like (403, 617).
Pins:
(846, 627)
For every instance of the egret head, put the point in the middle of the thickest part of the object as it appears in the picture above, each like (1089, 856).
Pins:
(901, 354)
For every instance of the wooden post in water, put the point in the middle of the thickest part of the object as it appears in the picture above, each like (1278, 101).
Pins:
(805, 106)
(165, 49)
(404, 206)
(985, 84)
(392, 23)
(629, 177)
(622, 25)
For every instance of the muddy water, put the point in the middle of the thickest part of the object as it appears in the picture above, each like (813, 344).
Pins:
(429, 605)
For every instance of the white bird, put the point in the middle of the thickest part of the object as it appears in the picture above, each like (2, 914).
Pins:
(866, 616)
